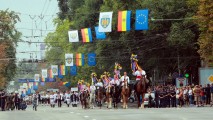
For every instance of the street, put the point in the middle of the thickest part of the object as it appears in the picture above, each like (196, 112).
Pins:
(65, 113)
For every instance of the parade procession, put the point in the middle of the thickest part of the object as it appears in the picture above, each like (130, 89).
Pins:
(106, 59)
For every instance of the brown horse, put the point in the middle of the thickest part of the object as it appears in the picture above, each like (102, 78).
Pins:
(109, 97)
(84, 99)
(125, 94)
(140, 89)
(99, 96)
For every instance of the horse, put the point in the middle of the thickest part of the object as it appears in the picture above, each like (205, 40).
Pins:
(109, 97)
(92, 98)
(115, 95)
(125, 94)
(84, 99)
(140, 89)
(99, 96)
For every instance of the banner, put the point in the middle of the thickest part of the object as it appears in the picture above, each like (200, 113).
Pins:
(105, 22)
(67, 84)
(124, 20)
(51, 74)
(79, 59)
(99, 35)
(141, 22)
(44, 73)
(73, 70)
(86, 35)
(91, 59)
(73, 36)
(43, 79)
(54, 70)
(69, 59)
(62, 70)
(35, 86)
(36, 77)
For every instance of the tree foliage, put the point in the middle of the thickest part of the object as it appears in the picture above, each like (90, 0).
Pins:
(9, 37)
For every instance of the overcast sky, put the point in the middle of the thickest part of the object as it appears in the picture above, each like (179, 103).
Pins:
(34, 14)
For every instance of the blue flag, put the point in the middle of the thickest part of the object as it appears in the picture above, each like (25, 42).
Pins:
(91, 59)
(73, 70)
(99, 35)
(42, 83)
(141, 21)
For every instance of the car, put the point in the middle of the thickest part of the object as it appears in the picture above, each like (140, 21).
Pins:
(146, 99)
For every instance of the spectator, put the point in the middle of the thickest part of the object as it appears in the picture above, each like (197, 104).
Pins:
(211, 90)
(208, 94)
(190, 93)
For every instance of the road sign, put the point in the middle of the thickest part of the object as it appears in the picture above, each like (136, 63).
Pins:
(210, 78)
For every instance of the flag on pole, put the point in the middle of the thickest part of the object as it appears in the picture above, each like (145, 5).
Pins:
(42, 79)
(99, 35)
(51, 74)
(62, 69)
(73, 36)
(124, 20)
(44, 73)
(79, 59)
(86, 35)
(91, 59)
(69, 59)
(73, 70)
(54, 70)
(141, 22)
(105, 22)
(35, 85)
(36, 78)
(67, 84)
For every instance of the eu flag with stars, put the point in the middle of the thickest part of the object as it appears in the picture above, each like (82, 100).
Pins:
(91, 59)
(141, 20)
(99, 35)
(73, 70)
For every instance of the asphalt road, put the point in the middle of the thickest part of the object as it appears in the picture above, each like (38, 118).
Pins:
(65, 113)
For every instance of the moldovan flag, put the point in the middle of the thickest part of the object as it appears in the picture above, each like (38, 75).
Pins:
(69, 59)
(79, 59)
(141, 21)
(62, 69)
(86, 35)
(73, 36)
(105, 22)
(54, 70)
(50, 74)
(99, 35)
(124, 20)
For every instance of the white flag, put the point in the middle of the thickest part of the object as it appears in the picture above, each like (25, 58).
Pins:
(105, 22)
(54, 69)
(36, 77)
(73, 36)
(44, 73)
(69, 59)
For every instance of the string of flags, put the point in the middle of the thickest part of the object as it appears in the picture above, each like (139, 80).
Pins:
(105, 25)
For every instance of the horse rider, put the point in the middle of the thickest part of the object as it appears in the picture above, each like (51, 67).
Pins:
(139, 73)
(92, 95)
(123, 78)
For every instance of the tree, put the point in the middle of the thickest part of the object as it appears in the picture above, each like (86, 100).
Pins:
(205, 22)
(9, 37)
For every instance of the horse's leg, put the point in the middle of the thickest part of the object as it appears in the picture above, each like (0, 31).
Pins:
(138, 96)
(142, 102)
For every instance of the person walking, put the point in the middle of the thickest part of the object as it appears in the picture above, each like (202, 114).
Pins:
(35, 101)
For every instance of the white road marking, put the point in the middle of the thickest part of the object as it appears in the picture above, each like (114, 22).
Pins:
(86, 116)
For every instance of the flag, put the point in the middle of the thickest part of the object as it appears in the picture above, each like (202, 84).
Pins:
(73, 70)
(44, 73)
(50, 74)
(105, 22)
(36, 77)
(67, 84)
(54, 70)
(99, 35)
(73, 36)
(86, 35)
(42, 79)
(69, 59)
(42, 83)
(124, 20)
(141, 22)
(79, 59)
(62, 69)
(60, 72)
(91, 59)
(35, 85)
(28, 91)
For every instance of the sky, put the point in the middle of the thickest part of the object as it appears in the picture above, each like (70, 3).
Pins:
(36, 15)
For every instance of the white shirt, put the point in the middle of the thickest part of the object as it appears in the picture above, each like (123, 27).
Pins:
(185, 91)
(138, 74)
(190, 92)
(99, 84)
(122, 80)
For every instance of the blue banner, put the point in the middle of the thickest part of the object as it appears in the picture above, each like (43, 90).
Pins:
(91, 59)
(141, 21)
(73, 70)
(99, 35)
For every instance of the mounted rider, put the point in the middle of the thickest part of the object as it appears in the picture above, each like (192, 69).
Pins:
(139, 74)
